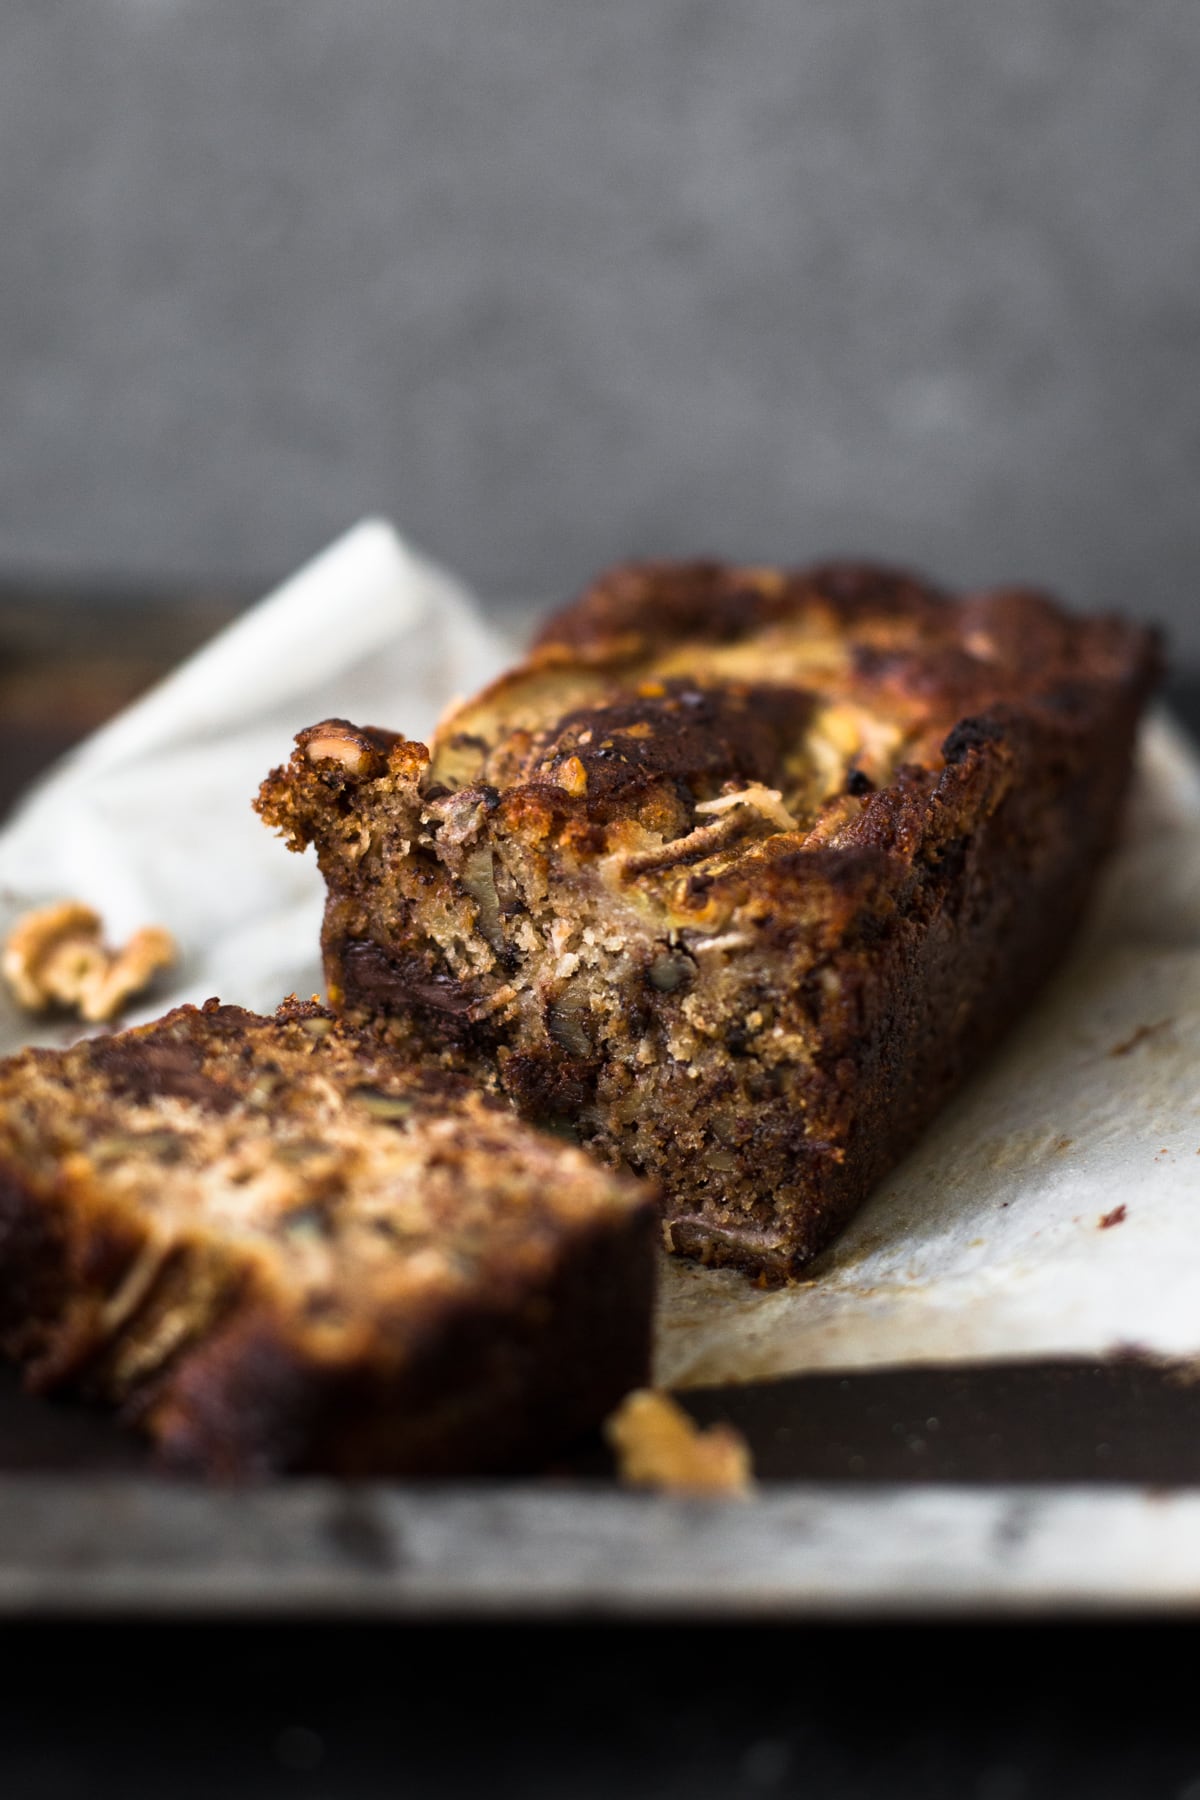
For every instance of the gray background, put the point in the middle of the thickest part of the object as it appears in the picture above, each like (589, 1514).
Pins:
(557, 283)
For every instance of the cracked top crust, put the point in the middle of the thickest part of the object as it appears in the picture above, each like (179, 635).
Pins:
(695, 728)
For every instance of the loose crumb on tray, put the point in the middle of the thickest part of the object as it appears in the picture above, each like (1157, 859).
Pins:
(657, 1445)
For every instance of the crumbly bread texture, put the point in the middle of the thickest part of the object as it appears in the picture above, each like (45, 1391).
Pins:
(275, 1246)
(736, 876)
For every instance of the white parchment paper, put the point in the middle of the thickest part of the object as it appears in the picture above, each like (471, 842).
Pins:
(989, 1242)
(150, 820)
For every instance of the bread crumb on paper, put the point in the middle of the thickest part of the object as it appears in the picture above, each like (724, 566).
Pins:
(657, 1445)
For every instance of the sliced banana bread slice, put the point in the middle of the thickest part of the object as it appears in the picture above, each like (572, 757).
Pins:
(275, 1246)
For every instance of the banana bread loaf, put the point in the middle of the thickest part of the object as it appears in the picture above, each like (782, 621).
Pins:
(275, 1247)
(736, 876)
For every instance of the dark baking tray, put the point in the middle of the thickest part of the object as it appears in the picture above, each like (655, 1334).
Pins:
(990, 1463)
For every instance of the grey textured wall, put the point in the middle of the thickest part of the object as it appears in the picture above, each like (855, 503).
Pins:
(555, 283)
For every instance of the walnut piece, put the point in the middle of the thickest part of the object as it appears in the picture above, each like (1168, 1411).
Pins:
(658, 1446)
(56, 956)
(337, 741)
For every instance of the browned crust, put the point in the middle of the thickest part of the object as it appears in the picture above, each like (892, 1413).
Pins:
(498, 1376)
(654, 603)
(907, 913)
(639, 605)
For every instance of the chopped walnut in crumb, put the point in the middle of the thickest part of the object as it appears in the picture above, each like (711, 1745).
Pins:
(56, 956)
(657, 1445)
(337, 741)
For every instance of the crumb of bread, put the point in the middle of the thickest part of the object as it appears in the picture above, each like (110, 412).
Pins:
(55, 956)
(657, 1445)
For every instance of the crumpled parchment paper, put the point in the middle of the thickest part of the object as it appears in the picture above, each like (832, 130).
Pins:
(1053, 1209)
(150, 820)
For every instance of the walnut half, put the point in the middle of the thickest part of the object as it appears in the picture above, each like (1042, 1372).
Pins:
(56, 956)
